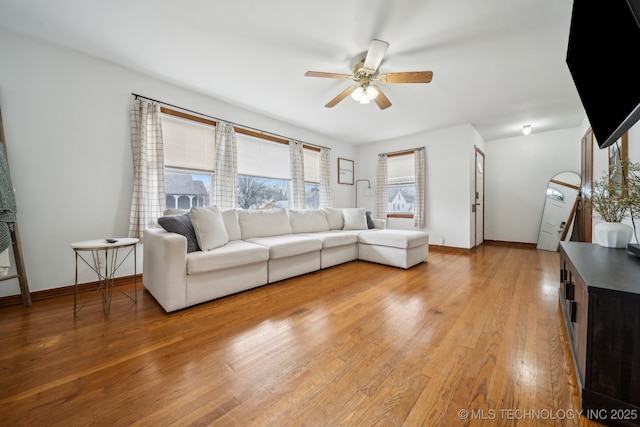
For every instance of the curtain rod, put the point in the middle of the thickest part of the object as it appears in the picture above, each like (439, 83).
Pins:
(234, 124)
(402, 151)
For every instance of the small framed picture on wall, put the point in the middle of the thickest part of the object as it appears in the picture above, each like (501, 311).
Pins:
(345, 171)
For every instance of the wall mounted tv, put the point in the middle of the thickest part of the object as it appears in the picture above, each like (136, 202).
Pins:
(604, 45)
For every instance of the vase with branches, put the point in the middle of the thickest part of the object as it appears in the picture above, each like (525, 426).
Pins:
(614, 197)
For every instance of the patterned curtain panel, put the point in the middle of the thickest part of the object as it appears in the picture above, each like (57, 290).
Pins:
(382, 201)
(420, 167)
(326, 198)
(296, 163)
(148, 202)
(226, 166)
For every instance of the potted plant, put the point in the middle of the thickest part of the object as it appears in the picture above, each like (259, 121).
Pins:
(614, 197)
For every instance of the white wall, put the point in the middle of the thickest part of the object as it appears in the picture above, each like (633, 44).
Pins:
(66, 121)
(517, 173)
(449, 174)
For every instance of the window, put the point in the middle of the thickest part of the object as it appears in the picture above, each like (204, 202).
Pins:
(263, 166)
(263, 173)
(312, 177)
(401, 184)
(554, 193)
(189, 158)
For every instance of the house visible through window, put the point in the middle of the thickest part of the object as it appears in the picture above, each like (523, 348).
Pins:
(401, 189)
(263, 166)
(189, 158)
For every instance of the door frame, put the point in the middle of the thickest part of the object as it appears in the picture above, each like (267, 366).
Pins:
(477, 185)
(585, 212)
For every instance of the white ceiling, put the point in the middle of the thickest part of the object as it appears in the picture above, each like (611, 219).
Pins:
(497, 64)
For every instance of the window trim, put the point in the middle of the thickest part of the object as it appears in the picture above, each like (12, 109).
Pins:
(236, 128)
(187, 116)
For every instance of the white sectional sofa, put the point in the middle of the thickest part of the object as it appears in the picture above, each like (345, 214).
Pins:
(206, 253)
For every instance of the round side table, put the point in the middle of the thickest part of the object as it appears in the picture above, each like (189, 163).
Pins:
(113, 259)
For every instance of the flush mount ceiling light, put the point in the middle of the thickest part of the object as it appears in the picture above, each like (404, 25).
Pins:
(526, 129)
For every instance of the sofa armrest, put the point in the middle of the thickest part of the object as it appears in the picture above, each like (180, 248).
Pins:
(379, 223)
(164, 267)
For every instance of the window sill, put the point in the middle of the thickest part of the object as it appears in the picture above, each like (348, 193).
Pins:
(399, 215)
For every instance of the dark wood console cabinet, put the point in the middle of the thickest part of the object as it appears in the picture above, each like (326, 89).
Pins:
(600, 300)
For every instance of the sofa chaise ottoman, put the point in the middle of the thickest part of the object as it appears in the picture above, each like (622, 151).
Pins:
(399, 248)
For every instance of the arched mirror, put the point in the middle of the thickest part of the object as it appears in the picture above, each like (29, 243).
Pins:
(559, 211)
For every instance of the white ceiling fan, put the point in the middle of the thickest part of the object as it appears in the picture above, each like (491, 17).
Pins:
(366, 72)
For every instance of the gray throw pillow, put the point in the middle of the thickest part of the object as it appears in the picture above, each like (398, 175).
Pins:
(181, 224)
(369, 220)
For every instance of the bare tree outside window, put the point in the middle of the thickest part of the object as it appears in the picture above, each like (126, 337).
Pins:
(262, 193)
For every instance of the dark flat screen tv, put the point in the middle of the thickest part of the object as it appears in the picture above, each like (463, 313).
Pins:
(603, 48)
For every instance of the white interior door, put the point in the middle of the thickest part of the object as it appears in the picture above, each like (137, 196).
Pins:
(552, 225)
(479, 199)
(559, 209)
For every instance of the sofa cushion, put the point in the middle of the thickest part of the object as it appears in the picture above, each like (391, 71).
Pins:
(354, 219)
(233, 254)
(287, 245)
(335, 238)
(181, 224)
(403, 239)
(209, 227)
(231, 224)
(273, 222)
(334, 218)
(308, 221)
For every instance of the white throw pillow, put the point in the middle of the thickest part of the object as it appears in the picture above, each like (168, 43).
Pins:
(209, 227)
(354, 219)
(231, 223)
(334, 218)
(274, 222)
(308, 221)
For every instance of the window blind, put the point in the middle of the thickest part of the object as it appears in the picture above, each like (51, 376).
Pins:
(401, 169)
(311, 166)
(188, 144)
(262, 158)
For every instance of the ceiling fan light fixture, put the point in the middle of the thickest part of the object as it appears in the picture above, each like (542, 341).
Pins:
(372, 92)
(364, 94)
(357, 94)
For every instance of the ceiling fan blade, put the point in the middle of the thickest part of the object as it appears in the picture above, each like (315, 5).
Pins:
(342, 95)
(407, 77)
(327, 75)
(376, 52)
(381, 100)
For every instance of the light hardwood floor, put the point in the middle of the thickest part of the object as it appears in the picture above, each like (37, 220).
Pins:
(464, 339)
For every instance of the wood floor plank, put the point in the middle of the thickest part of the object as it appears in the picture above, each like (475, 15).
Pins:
(464, 339)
